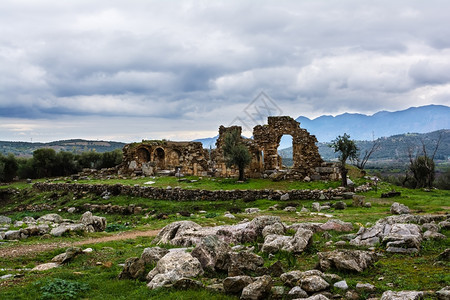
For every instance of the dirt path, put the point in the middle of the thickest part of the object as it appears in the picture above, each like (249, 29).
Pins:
(20, 250)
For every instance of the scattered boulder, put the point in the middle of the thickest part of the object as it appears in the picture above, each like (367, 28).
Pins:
(297, 292)
(172, 267)
(342, 285)
(276, 228)
(290, 209)
(67, 256)
(313, 283)
(188, 284)
(340, 205)
(403, 295)
(346, 260)
(252, 210)
(50, 218)
(259, 289)
(337, 225)
(244, 261)
(66, 227)
(315, 206)
(399, 209)
(284, 197)
(444, 293)
(235, 284)
(46, 266)
(211, 252)
(153, 254)
(5, 220)
(93, 223)
(391, 194)
(134, 268)
(365, 287)
(295, 244)
(173, 231)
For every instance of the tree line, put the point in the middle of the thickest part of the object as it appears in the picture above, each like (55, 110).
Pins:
(46, 162)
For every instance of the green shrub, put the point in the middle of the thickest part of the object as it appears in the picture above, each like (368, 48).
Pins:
(211, 215)
(115, 227)
(63, 289)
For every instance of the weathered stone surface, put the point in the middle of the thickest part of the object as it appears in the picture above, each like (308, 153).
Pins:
(433, 235)
(444, 293)
(365, 287)
(5, 220)
(134, 268)
(296, 244)
(394, 235)
(235, 284)
(315, 206)
(297, 292)
(290, 209)
(259, 289)
(45, 267)
(173, 266)
(244, 261)
(284, 197)
(346, 260)
(337, 225)
(174, 230)
(188, 284)
(13, 235)
(403, 295)
(291, 278)
(93, 223)
(342, 285)
(52, 218)
(252, 210)
(66, 227)
(211, 251)
(399, 209)
(153, 254)
(67, 256)
(317, 297)
(340, 205)
(277, 228)
(313, 283)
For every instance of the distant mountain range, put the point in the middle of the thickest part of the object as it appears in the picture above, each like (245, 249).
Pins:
(382, 124)
(76, 146)
(393, 148)
(362, 127)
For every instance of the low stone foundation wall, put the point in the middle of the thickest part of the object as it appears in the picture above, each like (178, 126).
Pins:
(178, 194)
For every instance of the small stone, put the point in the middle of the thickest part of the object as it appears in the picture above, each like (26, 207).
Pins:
(342, 285)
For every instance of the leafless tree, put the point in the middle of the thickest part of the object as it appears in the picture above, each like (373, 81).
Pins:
(361, 161)
(422, 166)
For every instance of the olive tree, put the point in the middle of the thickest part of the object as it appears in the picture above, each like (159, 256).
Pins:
(347, 150)
(235, 152)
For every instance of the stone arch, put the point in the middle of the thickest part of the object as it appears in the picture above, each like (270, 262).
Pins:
(159, 157)
(143, 155)
(305, 152)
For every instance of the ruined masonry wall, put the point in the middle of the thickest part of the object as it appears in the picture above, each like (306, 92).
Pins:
(178, 194)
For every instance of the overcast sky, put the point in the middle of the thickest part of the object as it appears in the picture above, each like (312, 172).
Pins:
(133, 70)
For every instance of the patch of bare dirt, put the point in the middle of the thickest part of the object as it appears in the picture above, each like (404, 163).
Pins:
(20, 250)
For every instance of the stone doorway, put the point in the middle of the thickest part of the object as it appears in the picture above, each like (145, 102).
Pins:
(285, 151)
(143, 155)
(159, 157)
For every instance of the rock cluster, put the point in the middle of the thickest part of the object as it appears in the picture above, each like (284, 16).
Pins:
(52, 224)
(401, 233)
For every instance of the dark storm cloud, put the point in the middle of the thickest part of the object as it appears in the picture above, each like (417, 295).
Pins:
(204, 61)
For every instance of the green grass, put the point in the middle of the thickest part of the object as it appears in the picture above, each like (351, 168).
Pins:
(100, 268)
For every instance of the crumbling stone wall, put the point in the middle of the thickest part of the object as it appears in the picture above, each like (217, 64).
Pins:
(150, 157)
(305, 152)
(178, 194)
(218, 166)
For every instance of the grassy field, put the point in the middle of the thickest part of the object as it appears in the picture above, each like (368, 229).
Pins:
(94, 275)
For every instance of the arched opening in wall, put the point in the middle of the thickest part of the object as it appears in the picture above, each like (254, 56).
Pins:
(143, 155)
(159, 157)
(286, 151)
(173, 158)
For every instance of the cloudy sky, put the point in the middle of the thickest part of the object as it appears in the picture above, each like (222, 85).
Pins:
(133, 70)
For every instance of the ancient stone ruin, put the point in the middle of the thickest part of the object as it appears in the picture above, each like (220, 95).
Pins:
(190, 158)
